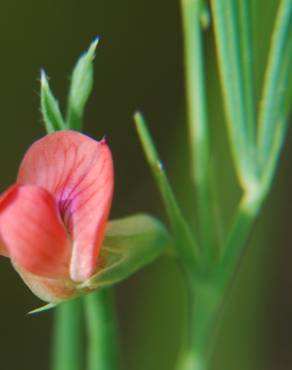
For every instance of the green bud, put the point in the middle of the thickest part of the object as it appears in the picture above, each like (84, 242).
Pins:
(80, 88)
(49, 107)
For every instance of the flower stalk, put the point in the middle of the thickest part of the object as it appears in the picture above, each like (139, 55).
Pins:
(67, 336)
(101, 325)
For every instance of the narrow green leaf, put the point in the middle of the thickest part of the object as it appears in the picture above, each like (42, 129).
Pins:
(276, 96)
(130, 243)
(49, 107)
(231, 73)
(271, 164)
(80, 88)
(197, 118)
(185, 241)
(246, 49)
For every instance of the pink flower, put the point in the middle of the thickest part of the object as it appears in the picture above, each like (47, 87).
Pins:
(52, 221)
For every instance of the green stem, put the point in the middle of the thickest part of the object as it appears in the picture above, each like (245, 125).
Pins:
(206, 295)
(243, 222)
(67, 336)
(101, 328)
(205, 300)
(207, 292)
(197, 117)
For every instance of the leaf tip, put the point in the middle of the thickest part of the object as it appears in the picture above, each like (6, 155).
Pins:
(42, 309)
(92, 48)
(44, 78)
(138, 117)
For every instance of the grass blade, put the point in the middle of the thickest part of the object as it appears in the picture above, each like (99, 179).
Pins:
(197, 117)
(246, 48)
(231, 72)
(186, 244)
(276, 94)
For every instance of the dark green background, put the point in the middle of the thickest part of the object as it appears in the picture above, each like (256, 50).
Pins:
(139, 65)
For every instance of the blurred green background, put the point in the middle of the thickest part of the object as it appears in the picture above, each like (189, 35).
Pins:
(139, 66)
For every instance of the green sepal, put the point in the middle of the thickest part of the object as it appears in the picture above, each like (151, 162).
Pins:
(130, 243)
(80, 88)
(46, 307)
(51, 113)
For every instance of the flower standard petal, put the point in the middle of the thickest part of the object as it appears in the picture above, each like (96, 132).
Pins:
(90, 210)
(33, 233)
(78, 171)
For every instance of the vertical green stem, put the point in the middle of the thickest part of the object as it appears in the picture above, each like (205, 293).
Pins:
(67, 336)
(101, 329)
(202, 303)
(243, 222)
(207, 292)
(197, 116)
(205, 299)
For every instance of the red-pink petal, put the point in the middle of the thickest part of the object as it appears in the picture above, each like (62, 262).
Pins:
(47, 289)
(78, 171)
(3, 198)
(32, 231)
(3, 250)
